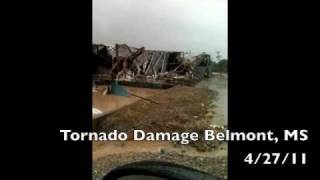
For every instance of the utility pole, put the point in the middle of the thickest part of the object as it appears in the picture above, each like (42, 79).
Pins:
(218, 57)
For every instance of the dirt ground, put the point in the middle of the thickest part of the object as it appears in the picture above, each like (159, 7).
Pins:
(178, 109)
(114, 154)
(109, 103)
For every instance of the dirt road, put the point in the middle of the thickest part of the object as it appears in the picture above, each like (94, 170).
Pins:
(182, 109)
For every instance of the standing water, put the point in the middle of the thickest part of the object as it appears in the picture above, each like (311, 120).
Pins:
(218, 83)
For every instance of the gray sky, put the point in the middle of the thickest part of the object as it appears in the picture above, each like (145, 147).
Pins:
(181, 25)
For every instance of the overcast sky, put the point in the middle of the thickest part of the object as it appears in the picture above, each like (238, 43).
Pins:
(174, 25)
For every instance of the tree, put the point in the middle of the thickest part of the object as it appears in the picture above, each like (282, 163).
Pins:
(220, 66)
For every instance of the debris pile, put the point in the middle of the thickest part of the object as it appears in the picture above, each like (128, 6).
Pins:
(126, 63)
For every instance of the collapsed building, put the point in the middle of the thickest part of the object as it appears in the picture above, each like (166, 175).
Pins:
(124, 63)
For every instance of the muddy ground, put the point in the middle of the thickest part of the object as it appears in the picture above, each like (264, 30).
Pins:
(110, 103)
(176, 109)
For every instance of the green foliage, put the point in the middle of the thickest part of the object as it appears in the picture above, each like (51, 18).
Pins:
(221, 66)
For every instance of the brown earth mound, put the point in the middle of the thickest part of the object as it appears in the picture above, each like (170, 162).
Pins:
(178, 109)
